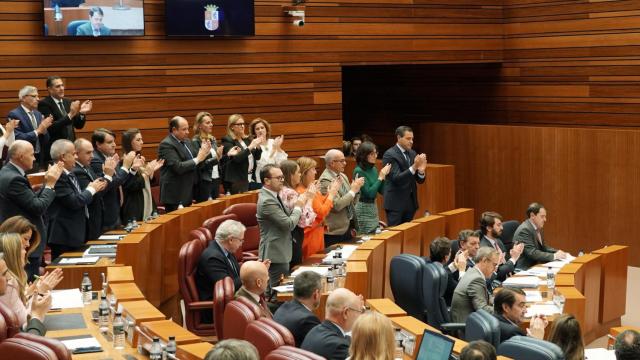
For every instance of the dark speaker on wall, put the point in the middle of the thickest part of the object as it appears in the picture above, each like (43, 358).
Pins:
(212, 18)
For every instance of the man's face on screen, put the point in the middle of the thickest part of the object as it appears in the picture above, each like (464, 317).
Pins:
(96, 21)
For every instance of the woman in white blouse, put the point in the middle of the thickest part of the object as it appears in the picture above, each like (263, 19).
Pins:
(272, 152)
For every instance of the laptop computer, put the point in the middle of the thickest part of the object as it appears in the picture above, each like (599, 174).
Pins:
(435, 346)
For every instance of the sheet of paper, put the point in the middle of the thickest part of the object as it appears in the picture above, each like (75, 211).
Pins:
(542, 309)
(555, 264)
(346, 251)
(84, 342)
(283, 288)
(80, 260)
(599, 354)
(101, 250)
(66, 299)
(522, 281)
(321, 270)
(533, 296)
(111, 237)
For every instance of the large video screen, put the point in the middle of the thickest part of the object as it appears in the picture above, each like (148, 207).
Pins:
(209, 18)
(93, 18)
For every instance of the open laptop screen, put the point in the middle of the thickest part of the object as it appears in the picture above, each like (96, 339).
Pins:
(434, 346)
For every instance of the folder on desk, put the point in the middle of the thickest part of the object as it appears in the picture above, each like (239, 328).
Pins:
(101, 250)
(81, 344)
(111, 237)
(78, 261)
(523, 281)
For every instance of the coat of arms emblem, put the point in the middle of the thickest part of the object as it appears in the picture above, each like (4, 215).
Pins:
(211, 17)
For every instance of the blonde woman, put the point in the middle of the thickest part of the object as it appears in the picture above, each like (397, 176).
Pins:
(240, 169)
(372, 338)
(24, 300)
(209, 184)
(272, 152)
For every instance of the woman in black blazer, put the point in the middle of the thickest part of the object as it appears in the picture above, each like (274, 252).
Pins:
(137, 200)
(209, 183)
(242, 166)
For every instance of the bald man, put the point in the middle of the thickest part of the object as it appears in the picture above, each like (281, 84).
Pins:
(255, 279)
(329, 339)
(17, 197)
(338, 220)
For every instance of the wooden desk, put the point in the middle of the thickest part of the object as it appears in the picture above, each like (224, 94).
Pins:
(438, 194)
(73, 273)
(248, 197)
(196, 351)
(165, 328)
(613, 285)
(432, 227)
(365, 257)
(357, 279)
(135, 313)
(149, 240)
(385, 307)
(125, 292)
(169, 258)
(392, 247)
(211, 208)
(591, 279)
(376, 267)
(457, 220)
(119, 274)
(411, 237)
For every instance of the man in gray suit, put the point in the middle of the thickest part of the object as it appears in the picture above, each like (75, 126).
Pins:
(94, 27)
(531, 235)
(338, 221)
(276, 224)
(471, 293)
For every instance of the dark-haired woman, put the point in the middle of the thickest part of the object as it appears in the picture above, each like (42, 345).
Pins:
(566, 333)
(242, 152)
(366, 210)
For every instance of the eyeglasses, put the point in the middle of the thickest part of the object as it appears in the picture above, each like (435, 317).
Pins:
(361, 311)
(33, 96)
(341, 160)
(281, 178)
(238, 124)
(237, 238)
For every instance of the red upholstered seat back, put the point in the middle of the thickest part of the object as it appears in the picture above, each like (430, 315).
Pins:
(264, 337)
(3, 328)
(213, 223)
(236, 318)
(187, 266)
(61, 351)
(287, 336)
(197, 234)
(246, 213)
(222, 295)
(292, 353)
(11, 320)
(252, 306)
(16, 348)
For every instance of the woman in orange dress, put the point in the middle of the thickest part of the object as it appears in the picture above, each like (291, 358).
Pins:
(314, 235)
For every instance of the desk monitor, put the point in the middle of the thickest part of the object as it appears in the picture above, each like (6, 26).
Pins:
(435, 346)
(93, 18)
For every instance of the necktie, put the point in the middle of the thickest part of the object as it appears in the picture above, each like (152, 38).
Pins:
(233, 267)
(281, 203)
(34, 123)
(88, 173)
(62, 109)
(265, 308)
(539, 236)
(75, 183)
(187, 147)
(406, 158)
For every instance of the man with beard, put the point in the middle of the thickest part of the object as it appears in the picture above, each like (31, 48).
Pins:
(491, 228)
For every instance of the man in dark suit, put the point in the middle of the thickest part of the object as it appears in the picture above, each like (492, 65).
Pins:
(439, 253)
(255, 279)
(465, 249)
(509, 307)
(491, 228)
(329, 339)
(69, 212)
(179, 175)
(104, 144)
(94, 27)
(17, 197)
(217, 262)
(33, 126)
(407, 170)
(67, 114)
(297, 315)
(530, 233)
(85, 175)
(471, 293)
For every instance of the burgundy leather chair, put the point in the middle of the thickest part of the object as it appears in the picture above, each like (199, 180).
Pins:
(287, 336)
(196, 234)
(246, 213)
(292, 353)
(11, 320)
(222, 294)
(213, 223)
(236, 318)
(252, 306)
(155, 194)
(23, 349)
(187, 266)
(3, 328)
(58, 348)
(207, 233)
(264, 337)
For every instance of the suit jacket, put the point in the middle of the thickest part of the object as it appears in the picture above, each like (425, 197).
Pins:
(508, 329)
(214, 266)
(35, 327)
(111, 195)
(452, 283)
(264, 309)
(503, 269)
(327, 340)
(25, 131)
(62, 126)
(237, 167)
(276, 224)
(342, 212)
(470, 295)
(96, 207)
(17, 198)
(534, 253)
(179, 173)
(400, 189)
(86, 30)
(297, 318)
(133, 198)
(67, 217)
(208, 163)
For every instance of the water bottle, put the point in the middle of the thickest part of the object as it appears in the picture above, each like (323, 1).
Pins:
(180, 206)
(171, 347)
(118, 331)
(134, 224)
(580, 253)
(330, 279)
(399, 351)
(57, 14)
(103, 313)
(551, 278)
(85, 288)
(156, 349)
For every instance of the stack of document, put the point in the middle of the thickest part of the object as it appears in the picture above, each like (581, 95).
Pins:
(66, 299)
(321, 270)
(89, 260)
(542, 309)
(523, 281)
(346, 251)
(111, 237)
(81, 345)
(101, 250)
(283, 288)
(533, 296)
(599, 354)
